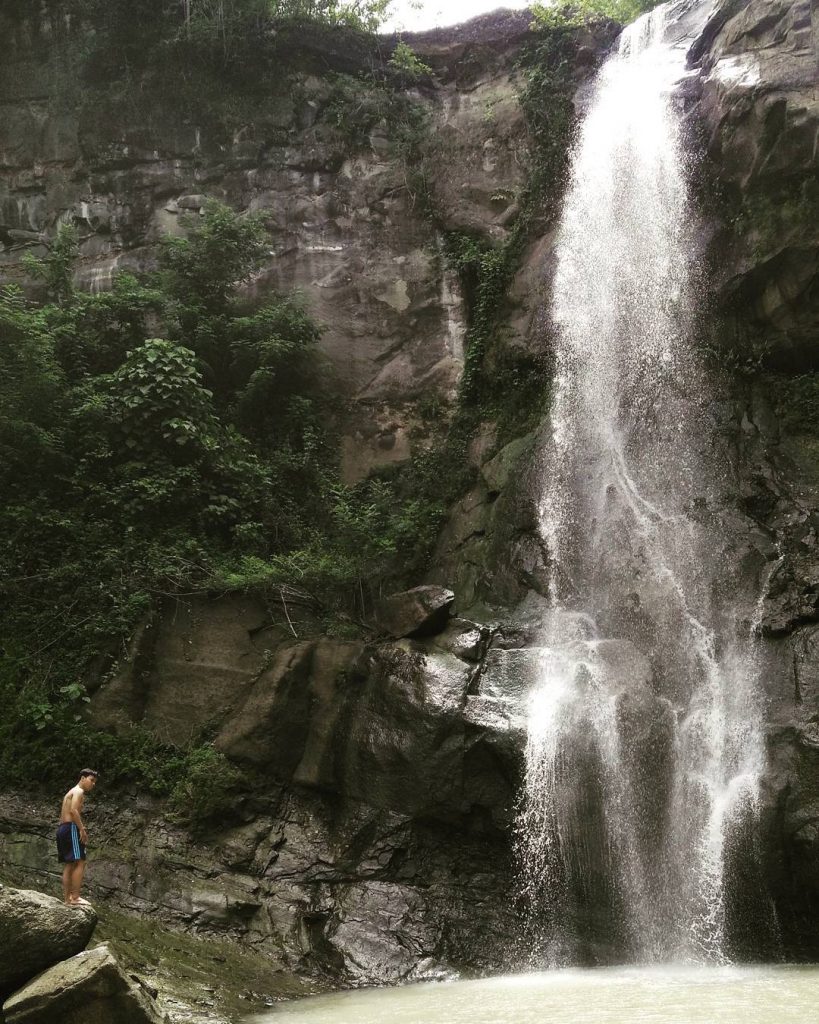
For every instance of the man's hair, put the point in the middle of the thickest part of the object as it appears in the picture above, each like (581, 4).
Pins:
(89, 771)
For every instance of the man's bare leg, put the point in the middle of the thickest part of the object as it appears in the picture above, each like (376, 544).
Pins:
(76, 884)
(68, 870)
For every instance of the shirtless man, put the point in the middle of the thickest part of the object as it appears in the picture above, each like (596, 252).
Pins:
(72, 838)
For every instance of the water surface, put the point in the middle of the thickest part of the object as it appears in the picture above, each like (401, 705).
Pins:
(622, 995)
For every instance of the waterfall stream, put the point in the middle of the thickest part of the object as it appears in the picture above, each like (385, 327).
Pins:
(644, 748)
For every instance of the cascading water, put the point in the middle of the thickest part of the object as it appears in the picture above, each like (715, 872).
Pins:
(644, 746)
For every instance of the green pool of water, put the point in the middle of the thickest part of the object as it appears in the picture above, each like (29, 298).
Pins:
(622, 995)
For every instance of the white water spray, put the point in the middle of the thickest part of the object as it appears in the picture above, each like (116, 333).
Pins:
(644, 750)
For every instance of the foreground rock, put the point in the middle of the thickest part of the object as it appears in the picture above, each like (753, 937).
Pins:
(89, 988)
(37, 931)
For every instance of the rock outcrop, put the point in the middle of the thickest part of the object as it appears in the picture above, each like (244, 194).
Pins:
(422, 611)
(759, 112)
(37, 931)
(45, 976)
(88, 988)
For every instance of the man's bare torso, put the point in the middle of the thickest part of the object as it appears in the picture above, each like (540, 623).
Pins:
(72, 801)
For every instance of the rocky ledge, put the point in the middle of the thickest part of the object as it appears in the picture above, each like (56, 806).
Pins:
(47, 975)
(377, 845)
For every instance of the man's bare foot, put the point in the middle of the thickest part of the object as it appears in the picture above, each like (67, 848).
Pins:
(78, 901)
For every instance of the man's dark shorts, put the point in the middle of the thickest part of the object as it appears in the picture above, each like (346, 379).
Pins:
(69, 847)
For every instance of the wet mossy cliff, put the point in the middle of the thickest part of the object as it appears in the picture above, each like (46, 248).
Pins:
(375, 844)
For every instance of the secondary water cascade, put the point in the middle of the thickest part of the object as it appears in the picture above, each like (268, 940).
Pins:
(644, 749)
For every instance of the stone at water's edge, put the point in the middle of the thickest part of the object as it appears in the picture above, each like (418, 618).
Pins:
(37, 931)
(89, 988)
(422, 611)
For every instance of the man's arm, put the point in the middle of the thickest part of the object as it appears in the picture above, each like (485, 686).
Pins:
(77, 800)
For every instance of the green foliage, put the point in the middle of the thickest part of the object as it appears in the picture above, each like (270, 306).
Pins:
(129, 35)
(765, 217)
(406, 62)
(373, 537)
(497, 381)
(359, 104)
(575, 12)
(201, 271)
(208, 787)
(547, 67)
(485, 272)
(57, 268)
(220, 17)
(31, 395)
(366, 15)
(354, 109)
(797, 402)
(155, 402)
(124, 476)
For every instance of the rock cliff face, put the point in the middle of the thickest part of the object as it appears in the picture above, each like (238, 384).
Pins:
(378, 845)
(760, 113)
(347, 231)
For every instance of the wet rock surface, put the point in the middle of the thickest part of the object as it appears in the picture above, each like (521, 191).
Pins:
(378, 848)
(317, 885)
(422, 611)
(759, 113)
(761, 118)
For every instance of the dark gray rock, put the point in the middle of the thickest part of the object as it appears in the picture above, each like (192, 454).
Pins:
(759, 111)
(89, 988)
(384, 725)
(422, 611)
(191, 202)
(465, 639)
(37, 931)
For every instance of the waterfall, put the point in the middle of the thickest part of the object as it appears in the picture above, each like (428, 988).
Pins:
(644, 749)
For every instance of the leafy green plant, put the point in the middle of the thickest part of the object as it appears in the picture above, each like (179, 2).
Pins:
(125, 477)
(796, 402)
(207, 787)
(366, 15)
(56, 269)
(406, 62)
(559, 13)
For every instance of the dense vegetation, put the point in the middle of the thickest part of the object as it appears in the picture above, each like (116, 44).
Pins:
(137, 467)
(575, 12)
(166, 438)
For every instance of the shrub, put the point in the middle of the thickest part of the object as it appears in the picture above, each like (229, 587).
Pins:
(406, 62)
(207, 787)
(575, 12)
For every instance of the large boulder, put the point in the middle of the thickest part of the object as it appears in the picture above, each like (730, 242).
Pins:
(37, 931)
(422, 611)
(89, 988)
(383, 725)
